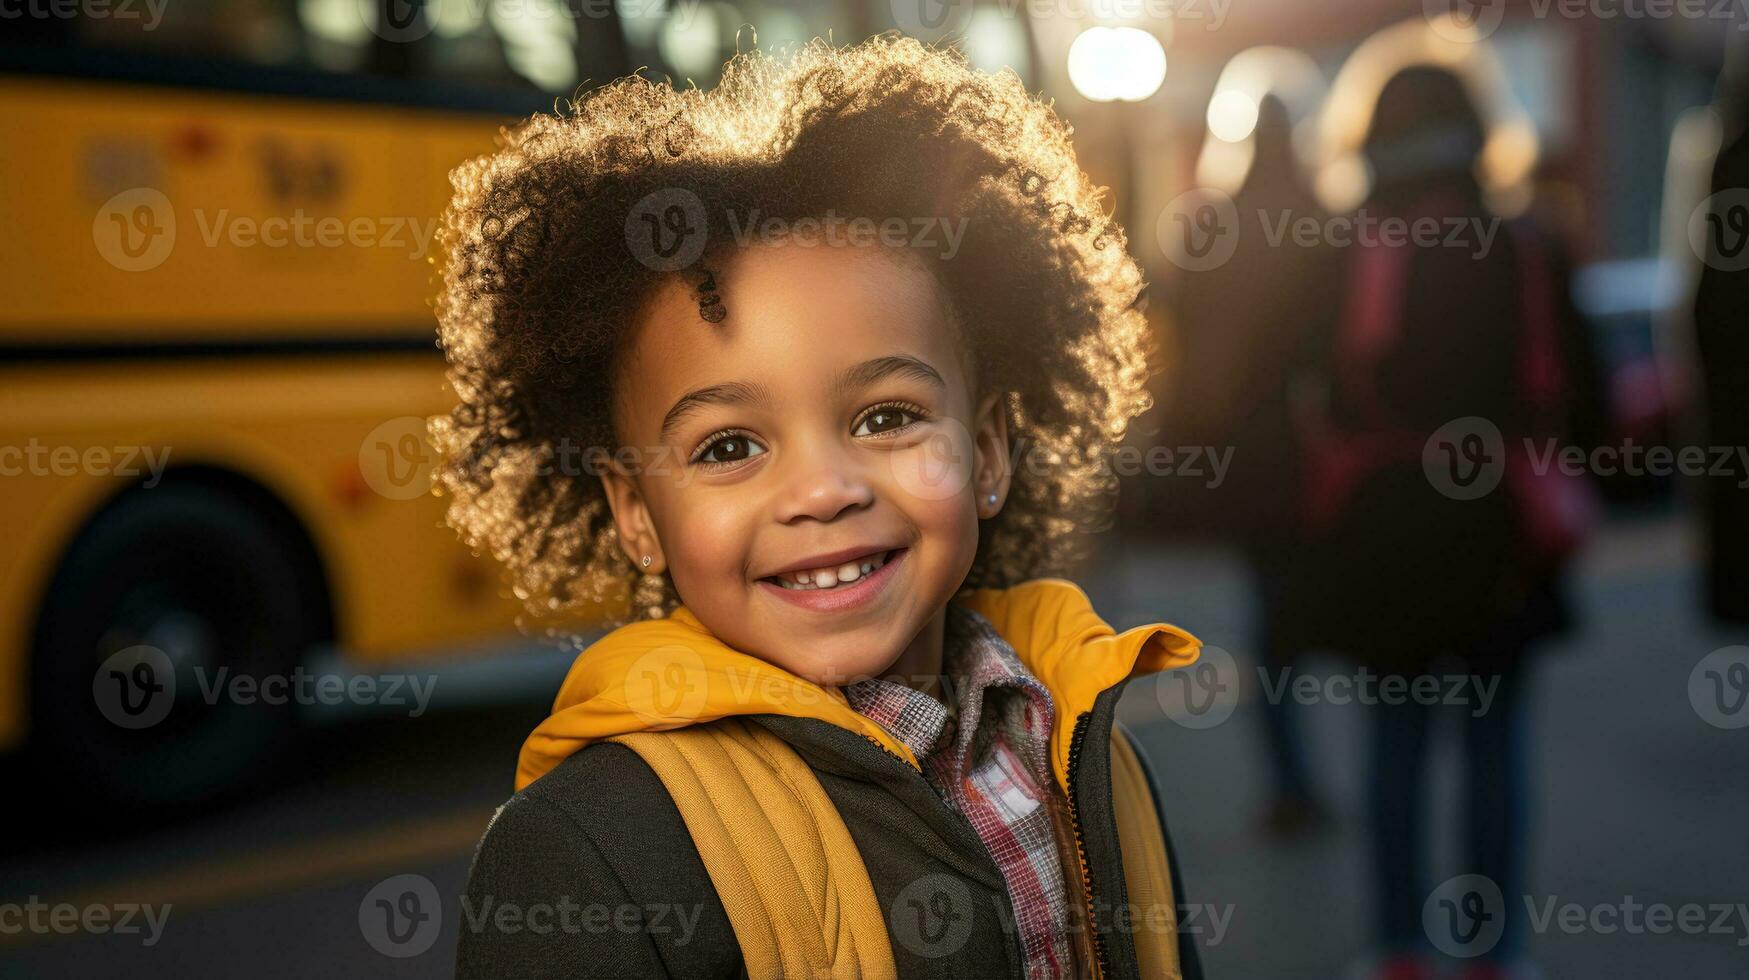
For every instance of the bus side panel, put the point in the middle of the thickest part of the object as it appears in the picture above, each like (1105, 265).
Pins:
(339, 440)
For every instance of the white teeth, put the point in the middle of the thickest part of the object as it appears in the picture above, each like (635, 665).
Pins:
(827, 578)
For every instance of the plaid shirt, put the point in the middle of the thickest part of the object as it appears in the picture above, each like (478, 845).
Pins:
(991, 764)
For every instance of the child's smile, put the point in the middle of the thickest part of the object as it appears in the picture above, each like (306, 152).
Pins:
(835, 457)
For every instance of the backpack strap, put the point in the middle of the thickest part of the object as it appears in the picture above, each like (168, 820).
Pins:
(786, 869)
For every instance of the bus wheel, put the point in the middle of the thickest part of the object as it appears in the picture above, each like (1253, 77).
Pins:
(165, 657)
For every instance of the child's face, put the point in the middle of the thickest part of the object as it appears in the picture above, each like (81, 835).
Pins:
(826, 425)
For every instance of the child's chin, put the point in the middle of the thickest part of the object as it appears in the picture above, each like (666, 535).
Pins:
(848, 668)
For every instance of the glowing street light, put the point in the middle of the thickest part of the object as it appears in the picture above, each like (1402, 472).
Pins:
(1116, 64)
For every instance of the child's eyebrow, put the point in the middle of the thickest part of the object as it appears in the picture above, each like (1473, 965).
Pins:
(874, 369)
(727, 393)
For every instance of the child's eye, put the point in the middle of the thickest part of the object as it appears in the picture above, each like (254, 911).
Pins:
(887, 418)
(727, 447)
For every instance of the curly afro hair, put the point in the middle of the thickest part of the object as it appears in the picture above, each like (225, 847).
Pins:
(543, 281)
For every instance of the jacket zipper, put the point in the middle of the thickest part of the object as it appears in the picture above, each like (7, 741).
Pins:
(1101, 955)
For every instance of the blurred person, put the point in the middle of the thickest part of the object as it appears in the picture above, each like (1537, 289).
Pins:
(1445, 363)
(1243, 327)
(1721, 345)
(849, 700)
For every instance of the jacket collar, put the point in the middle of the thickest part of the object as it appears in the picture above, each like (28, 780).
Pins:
(663, 674)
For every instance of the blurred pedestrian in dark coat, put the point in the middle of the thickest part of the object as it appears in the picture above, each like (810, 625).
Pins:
(1434, 543)
(1721, 325)
(1244, 326)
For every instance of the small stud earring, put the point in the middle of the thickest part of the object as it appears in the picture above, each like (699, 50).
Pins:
(991, 500)
(646, 561)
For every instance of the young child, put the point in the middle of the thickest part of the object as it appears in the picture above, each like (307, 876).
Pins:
(815, 372)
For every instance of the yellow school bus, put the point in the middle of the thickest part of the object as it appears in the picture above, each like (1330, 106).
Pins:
(216, 353)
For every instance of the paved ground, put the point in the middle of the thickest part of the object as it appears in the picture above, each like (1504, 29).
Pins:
(1637, 799)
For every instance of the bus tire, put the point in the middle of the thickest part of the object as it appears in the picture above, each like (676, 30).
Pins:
(152, 674)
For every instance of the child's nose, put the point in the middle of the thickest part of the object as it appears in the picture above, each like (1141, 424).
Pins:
(822, 489)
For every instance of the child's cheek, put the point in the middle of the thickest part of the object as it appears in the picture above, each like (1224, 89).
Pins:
(706, 548)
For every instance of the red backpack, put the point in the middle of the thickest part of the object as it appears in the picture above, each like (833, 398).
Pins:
(1556, 510)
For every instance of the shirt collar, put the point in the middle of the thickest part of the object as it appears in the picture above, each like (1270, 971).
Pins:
(975, 659)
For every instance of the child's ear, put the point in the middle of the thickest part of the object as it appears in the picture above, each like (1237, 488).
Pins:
(631, 518)
(990, 454)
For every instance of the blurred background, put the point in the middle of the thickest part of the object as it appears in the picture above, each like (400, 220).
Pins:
(217, 351)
